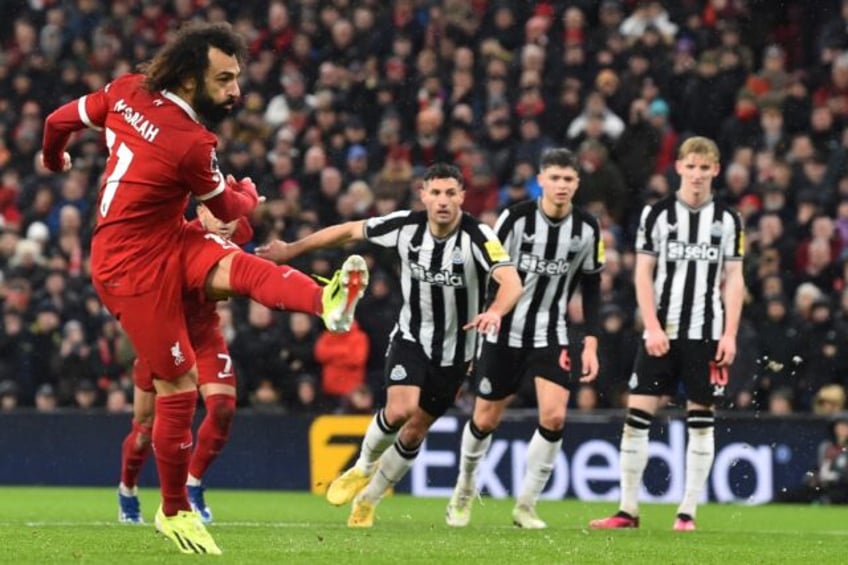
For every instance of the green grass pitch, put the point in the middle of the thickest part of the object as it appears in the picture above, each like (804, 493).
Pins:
(78, 525)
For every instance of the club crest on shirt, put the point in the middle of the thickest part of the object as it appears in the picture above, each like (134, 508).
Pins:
(716, 229)
(456, 256)
(177, 354)
(485, 386)
(576, 243)
(398, 373)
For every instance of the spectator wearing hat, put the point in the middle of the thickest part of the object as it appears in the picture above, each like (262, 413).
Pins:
(356, 164)
(355, 132)
(85, 395)
(46, 399)
(8, 395)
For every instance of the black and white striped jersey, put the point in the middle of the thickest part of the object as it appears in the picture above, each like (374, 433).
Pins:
(443, 280)
(550, 257)
(691, 246)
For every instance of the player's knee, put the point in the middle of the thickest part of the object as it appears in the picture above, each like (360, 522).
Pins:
(553, 421)
(487, 416)
(398, 414)
(486, 423)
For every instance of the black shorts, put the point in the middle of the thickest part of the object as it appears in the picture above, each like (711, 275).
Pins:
(407, 364)
(500, 369)
(690, 362)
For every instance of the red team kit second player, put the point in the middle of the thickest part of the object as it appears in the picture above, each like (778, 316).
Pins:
(143, 254)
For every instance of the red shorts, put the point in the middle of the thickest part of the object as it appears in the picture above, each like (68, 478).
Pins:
(214, 364)
(155, 321)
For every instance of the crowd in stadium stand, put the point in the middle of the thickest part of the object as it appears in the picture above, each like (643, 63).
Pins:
(345, 102)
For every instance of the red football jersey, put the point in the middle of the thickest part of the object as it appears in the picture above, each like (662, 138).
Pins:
(159, 153)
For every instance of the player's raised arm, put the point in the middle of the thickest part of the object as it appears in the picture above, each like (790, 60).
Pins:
(89, 111)
(333, 236)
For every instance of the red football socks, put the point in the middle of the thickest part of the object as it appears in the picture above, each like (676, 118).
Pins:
(276, 286)
(134, 452)
(213, 433)
(172, 447)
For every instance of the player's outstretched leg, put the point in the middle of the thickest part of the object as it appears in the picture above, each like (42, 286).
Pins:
(342, 293)
(187, 531)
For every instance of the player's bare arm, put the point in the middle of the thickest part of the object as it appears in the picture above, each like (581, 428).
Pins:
(734, 292)
(656, 340)
(589, 359)
(281, 252)
(507, 296)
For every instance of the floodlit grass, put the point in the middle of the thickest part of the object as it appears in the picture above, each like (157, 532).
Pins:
(78, 525)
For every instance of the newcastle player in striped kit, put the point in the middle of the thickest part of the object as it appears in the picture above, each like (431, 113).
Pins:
(446, 258)
(556, 247)
(690, 288)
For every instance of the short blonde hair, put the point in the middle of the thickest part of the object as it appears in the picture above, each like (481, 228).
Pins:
(699, 146)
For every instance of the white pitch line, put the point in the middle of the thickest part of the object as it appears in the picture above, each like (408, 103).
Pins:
(301, 525)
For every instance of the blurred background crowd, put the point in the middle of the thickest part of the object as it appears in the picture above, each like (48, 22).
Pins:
(345, 102)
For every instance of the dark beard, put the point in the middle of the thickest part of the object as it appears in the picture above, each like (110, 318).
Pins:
(211, 113)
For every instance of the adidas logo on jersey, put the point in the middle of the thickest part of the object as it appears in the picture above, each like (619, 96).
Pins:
(680, 250)
(533, 264)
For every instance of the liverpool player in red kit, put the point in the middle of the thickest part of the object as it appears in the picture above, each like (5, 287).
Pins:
(143, 255)
(216, 383)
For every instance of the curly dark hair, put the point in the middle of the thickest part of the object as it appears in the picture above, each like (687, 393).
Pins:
(188, 55)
